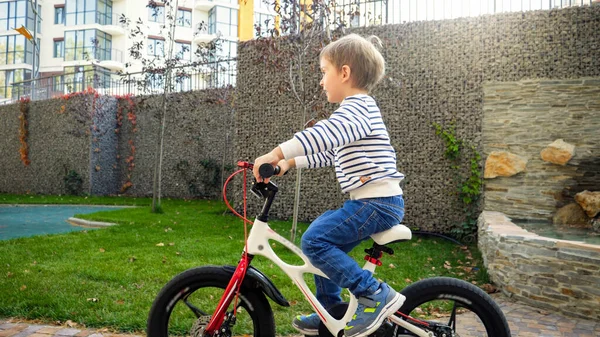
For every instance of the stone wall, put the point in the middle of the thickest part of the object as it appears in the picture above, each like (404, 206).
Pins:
(58, 142)
(199, 128)
(523, 118)
(79, 134)
(436, 71)
(547, 273)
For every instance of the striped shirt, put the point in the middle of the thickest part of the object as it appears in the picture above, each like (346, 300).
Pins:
(354, 140)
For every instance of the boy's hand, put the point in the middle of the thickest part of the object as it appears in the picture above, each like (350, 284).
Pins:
(272, 158)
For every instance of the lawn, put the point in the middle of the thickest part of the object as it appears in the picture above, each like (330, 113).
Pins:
(109, 277)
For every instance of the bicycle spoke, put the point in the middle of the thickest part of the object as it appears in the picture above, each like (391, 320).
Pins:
(452, 321)
(194, 309)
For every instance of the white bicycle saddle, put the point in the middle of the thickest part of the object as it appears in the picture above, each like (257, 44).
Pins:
(396, 233)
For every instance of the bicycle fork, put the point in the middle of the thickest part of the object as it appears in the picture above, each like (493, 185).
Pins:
(231, 291)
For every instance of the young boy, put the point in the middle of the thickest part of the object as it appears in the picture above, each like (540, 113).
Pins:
(355, 141)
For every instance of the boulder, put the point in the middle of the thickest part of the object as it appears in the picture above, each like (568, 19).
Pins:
(589, 201)
(571, 215)
(504, 164)
(558, 152)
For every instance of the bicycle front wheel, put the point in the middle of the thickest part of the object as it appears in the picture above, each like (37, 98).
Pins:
(453, 305)
(184, 307)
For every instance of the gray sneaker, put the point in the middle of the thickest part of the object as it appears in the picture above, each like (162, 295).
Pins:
(373, 310)
(307, 324)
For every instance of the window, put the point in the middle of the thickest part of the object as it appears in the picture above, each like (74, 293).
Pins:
(59, 46)
(15, 49)
(14, 15)
(263, 4)
(266, 23)
(183, 50)
(87, 44)
(156, 14)
(59, 15)
(184, 18)
(156, 47)
(105, 12)
(78, 12)
(223, 20)
(8, 77)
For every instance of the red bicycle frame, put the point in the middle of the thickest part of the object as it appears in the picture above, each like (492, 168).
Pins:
(233, 288)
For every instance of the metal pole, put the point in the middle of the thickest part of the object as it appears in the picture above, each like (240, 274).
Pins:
(35, 50)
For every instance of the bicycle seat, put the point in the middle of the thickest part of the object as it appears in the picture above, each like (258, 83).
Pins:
(396, 233)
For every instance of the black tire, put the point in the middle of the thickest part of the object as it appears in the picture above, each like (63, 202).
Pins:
(203, 287)
(463, 294)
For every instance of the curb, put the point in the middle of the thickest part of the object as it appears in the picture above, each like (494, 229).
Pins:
(89, 224)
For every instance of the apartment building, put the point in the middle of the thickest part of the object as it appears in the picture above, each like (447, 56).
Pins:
(75, 36)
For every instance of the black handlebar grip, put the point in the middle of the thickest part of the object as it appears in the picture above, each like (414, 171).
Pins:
(267, 170)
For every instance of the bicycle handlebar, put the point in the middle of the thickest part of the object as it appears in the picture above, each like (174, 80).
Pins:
(267, 170)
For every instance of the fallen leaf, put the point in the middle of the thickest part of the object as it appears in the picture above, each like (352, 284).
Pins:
(474, 282)
(407, 280)
(102, 250)
(120, 302)
(9, 274)
(71, 324)
(392, 265)
(177, 253)
(171, 243)
(429, 259)
(293, 302)
(489, 288)
(464, 248)
(23, 287)
(160, 244)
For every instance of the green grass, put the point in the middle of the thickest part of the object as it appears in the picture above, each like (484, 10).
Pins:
(109, 277)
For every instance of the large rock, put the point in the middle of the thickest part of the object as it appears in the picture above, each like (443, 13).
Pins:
(571, 215)
(504, 164)
(558, 152)
(589, 201)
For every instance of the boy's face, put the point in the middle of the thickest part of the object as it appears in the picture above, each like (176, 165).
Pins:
(332, 81)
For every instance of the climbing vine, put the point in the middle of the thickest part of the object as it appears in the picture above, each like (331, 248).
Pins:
(24, 130)
(132, 118)
(469, 187)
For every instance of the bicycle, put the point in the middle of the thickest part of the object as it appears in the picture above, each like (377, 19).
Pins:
(242, 291)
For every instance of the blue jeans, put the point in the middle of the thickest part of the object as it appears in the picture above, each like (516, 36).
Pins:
(330, 238)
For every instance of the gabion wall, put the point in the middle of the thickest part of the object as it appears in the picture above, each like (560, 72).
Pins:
(58, 141)
(199, 128)
(436, 71)
(80, 134)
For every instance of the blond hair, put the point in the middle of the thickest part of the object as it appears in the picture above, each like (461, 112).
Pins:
(367, 66)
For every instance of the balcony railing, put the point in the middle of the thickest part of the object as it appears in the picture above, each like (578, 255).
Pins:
(186, 78)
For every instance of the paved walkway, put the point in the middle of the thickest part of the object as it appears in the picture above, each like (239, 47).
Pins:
(524, 321)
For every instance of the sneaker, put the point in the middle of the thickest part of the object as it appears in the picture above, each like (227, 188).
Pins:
(307, 324)
(373, 310)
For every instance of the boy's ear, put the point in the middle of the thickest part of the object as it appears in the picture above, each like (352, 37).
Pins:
(345, 72)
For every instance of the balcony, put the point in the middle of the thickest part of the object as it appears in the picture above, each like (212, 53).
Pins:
(110, 24)
(204, 5)
(201, 34)
(116, 61)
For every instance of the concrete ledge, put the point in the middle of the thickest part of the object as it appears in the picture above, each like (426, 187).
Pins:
(548, 273)
(90, 224)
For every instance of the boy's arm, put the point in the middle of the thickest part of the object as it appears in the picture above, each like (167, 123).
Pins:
(316, 160)
(349, 123)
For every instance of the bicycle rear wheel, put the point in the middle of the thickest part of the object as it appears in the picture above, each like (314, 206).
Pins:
(453, 305)
(184, 306)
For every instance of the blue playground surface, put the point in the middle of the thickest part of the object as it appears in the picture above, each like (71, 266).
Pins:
(18, 221)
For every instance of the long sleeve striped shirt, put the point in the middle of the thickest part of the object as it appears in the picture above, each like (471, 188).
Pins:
(354, 140)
